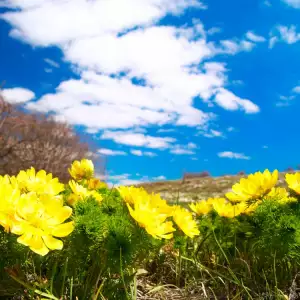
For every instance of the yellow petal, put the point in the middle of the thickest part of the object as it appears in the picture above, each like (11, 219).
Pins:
(61, 215)
(63, 230)
(25, 239)
(167, 236)
(17, 228)
(35, 243)
(72, 199)
(52, 243)
(43, 250)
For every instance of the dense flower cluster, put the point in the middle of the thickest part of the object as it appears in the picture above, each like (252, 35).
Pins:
(222, 206)
(253, 187)
(154, 214)
(84, 185)
(248, 194)
(31, 206)
(113, 227)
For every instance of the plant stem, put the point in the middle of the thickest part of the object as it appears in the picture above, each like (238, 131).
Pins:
(36, 291)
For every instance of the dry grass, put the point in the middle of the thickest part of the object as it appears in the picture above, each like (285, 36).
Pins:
(147, 291)
(195, 189)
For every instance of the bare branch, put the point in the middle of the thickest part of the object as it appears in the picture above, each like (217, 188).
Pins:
(36, 140)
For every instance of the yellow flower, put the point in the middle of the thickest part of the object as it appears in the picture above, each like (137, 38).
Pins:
(162, 230)
(281, 195)
(149, 211)
(81, 193)
(223, 208)
(253, 187)
(39, 220)
(293, 181)
(9, 198)
(247, 208)
(131, 194)
(97, 196)
(228, 210)
(94, 184)
(288, 200)
(5, 179)
(150, 219)
(72, 199)
(278, 192)
(40, 182)
(160, 204)
(83, 169)
(184, 220)
(14, 182)
(202, 207)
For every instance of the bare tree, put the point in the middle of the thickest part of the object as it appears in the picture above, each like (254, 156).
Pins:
(36, 140)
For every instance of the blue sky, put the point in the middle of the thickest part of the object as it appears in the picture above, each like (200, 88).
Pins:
(161, 86)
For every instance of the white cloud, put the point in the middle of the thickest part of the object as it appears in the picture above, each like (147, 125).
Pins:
(183, 149)
(150, 154)
(265, 147)
(170, 101)
(17, 95)
(46, 23)
(138, 139)
(289, 34)
(110, 152)
(143, 153)
(213, 133)
(286, 34)
(234, 46)
(192, 146)
(254, 37)
(214, 30)
(122, 179)
(273, 40)
(52, 63)
(229, 101)
(48, 70)
(293, 3)
(237, 82)
(296, 89)
(233, 155)
(166, 130)
(170, 60)
(21, 3)
(285, 100)
(136, 152)
(130, 105)
(230, 129)
(127, 179)
(158, 178)
(92, 130)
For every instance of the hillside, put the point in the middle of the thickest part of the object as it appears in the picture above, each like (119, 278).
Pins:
(194, 189)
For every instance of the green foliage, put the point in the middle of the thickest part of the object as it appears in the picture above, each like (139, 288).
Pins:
(252, 256)
(253, 251)
(103, 250)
